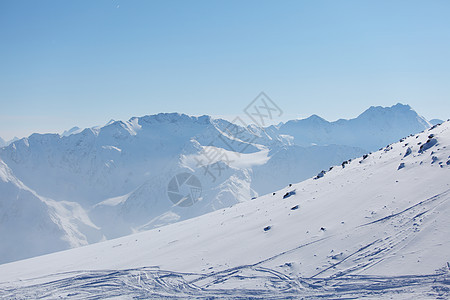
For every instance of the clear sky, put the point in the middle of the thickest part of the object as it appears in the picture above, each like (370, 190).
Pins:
(82, 63)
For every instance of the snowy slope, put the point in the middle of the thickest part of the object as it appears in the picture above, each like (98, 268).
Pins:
(2, 142)
(374, 227)
(32, 225)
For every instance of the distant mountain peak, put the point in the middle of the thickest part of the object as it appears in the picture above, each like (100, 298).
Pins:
(376, 126)
(4, 143)
(436, 121)
(316, 118)
(401, 106)
(398, 106)
(110, 122)
(72, 130)
(377, 111)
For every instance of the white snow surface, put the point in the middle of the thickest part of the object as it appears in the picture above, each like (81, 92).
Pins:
(366, 229)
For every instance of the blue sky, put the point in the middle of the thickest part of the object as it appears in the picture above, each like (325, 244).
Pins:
(67, 63)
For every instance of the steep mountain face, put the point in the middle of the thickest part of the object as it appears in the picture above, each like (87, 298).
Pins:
(120, 174)
(2, 142)
(374, 227)
(32, 225)
(374, 128)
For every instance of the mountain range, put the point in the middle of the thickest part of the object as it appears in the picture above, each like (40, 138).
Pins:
(88, 185)
(373, 227)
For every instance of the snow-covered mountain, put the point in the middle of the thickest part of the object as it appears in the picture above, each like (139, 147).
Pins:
(374, 128)
(2, 142)
(32, 225)
(372, 227)
(118, 175)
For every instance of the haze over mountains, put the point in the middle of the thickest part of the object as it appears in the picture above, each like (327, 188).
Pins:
(63, 191)
(373, 227)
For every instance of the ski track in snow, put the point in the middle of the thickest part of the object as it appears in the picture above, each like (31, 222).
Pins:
(257, 283)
